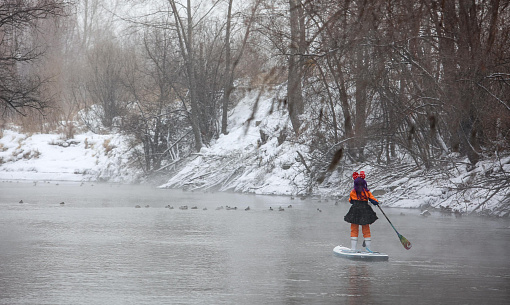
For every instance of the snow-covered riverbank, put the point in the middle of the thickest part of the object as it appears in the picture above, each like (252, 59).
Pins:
(86, 157)
(244, 162)
(252, 159)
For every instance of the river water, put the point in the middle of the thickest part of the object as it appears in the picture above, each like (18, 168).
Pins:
(97, 248)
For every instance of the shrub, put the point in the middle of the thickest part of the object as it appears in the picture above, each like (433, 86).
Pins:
(107, 146)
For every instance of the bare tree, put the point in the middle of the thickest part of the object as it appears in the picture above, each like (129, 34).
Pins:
(186, 43)
(232, 61)
(104, 85)
(295, 62)
(156, 119)
(19, 87)
(417, 75)
(227, 87)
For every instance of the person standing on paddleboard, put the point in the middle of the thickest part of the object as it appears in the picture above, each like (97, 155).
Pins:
(360, 212)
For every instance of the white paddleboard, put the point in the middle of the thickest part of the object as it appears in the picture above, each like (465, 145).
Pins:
(359, 255)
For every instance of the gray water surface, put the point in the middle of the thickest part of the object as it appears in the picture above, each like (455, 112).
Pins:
(97, 248)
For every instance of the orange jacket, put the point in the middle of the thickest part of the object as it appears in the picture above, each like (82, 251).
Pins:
(365, 196)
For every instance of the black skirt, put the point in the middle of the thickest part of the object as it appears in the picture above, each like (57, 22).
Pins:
(360, 213)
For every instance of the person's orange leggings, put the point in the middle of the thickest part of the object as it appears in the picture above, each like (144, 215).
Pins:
(364, 228)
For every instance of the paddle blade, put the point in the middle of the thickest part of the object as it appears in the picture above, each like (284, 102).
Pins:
(405, 242)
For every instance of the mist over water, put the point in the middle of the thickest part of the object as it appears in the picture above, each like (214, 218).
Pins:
(97, 248)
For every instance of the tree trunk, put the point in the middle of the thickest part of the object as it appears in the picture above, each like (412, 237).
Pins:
(192, 83)
(186, 46)
(227, 88)
(361, 104)
(344, 98)
(469, 51)
(330, 103)
(294, 89)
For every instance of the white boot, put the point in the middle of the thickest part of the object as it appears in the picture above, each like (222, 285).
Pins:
(354, 243)
(368, 243)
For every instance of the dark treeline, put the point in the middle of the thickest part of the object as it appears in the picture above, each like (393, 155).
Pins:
(376, 78)
(429, 77)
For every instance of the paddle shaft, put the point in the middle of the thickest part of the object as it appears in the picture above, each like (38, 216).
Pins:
(403, 240)
(387, 219)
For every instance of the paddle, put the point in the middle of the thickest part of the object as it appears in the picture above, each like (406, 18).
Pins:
(403, 240)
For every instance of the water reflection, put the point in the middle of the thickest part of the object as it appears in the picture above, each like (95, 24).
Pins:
(359, 284)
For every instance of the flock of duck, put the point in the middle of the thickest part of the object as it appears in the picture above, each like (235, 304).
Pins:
(185, 207)
(62, 203)
(280, 208)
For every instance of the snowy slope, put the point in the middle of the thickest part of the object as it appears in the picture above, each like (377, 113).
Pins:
(48, 157)
(240, 161)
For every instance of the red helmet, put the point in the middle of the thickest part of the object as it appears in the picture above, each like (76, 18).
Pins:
(362, 175)
(355, 175)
